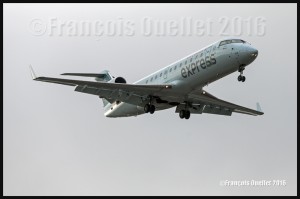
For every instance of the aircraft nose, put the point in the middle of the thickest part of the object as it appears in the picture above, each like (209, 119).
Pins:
(253, 52)
(248, 54)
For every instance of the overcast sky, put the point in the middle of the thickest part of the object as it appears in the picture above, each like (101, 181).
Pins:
(58, 142)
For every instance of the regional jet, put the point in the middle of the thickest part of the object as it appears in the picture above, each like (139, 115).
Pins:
(179, 84)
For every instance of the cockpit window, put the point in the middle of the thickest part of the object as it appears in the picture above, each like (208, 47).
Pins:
(237, 41)
(231, 41)
(225, 42)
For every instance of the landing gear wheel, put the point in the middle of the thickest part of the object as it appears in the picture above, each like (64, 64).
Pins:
(147, 108)
(152, 109)
(182, 114)
(243, 79)
(187, 115)
(240, 77)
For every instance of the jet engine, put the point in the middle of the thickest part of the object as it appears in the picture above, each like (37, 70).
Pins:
(119, 80)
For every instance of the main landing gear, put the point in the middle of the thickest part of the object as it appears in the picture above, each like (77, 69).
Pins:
(149, 108)
(241, 77)
(184, 114)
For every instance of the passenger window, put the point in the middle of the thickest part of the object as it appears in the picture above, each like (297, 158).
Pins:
(175, 67)
(151, 79)
(180, 64)
(147, 82)
(170, 69)
(155, 76)
(160, 74)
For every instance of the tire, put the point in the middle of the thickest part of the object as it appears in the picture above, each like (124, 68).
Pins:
(147, 108)
(187, 115)
(243, 79)
(240, 78)
(182, 114)
(152, 109)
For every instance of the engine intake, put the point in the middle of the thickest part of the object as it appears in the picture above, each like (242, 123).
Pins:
(120, 80)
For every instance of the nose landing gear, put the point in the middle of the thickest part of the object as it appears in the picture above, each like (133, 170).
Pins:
(241, 77)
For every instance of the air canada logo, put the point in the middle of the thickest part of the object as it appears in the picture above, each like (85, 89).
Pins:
(194, 67)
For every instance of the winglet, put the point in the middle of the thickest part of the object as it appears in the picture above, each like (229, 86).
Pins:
(32, 72)
(258, 108)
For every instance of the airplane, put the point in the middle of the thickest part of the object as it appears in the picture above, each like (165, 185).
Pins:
(179, 84)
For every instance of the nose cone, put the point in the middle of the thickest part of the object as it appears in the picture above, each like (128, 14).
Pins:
(248, 55)
(252, 51)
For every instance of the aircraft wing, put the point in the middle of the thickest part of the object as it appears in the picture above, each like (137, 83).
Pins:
(130, 93)
(204, 102)
(141, 89)
(199, 101)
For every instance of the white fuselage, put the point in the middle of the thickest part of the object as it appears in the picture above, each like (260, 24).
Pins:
(191, 73)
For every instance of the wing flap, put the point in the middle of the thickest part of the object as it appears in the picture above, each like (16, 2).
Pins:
(217, 110)
(105, 85)
(129, 93)
(215, 105)
(86, 74)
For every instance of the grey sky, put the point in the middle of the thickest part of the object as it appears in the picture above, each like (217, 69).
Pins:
(58, 142)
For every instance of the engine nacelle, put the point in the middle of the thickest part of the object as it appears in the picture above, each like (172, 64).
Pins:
(120, 80)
